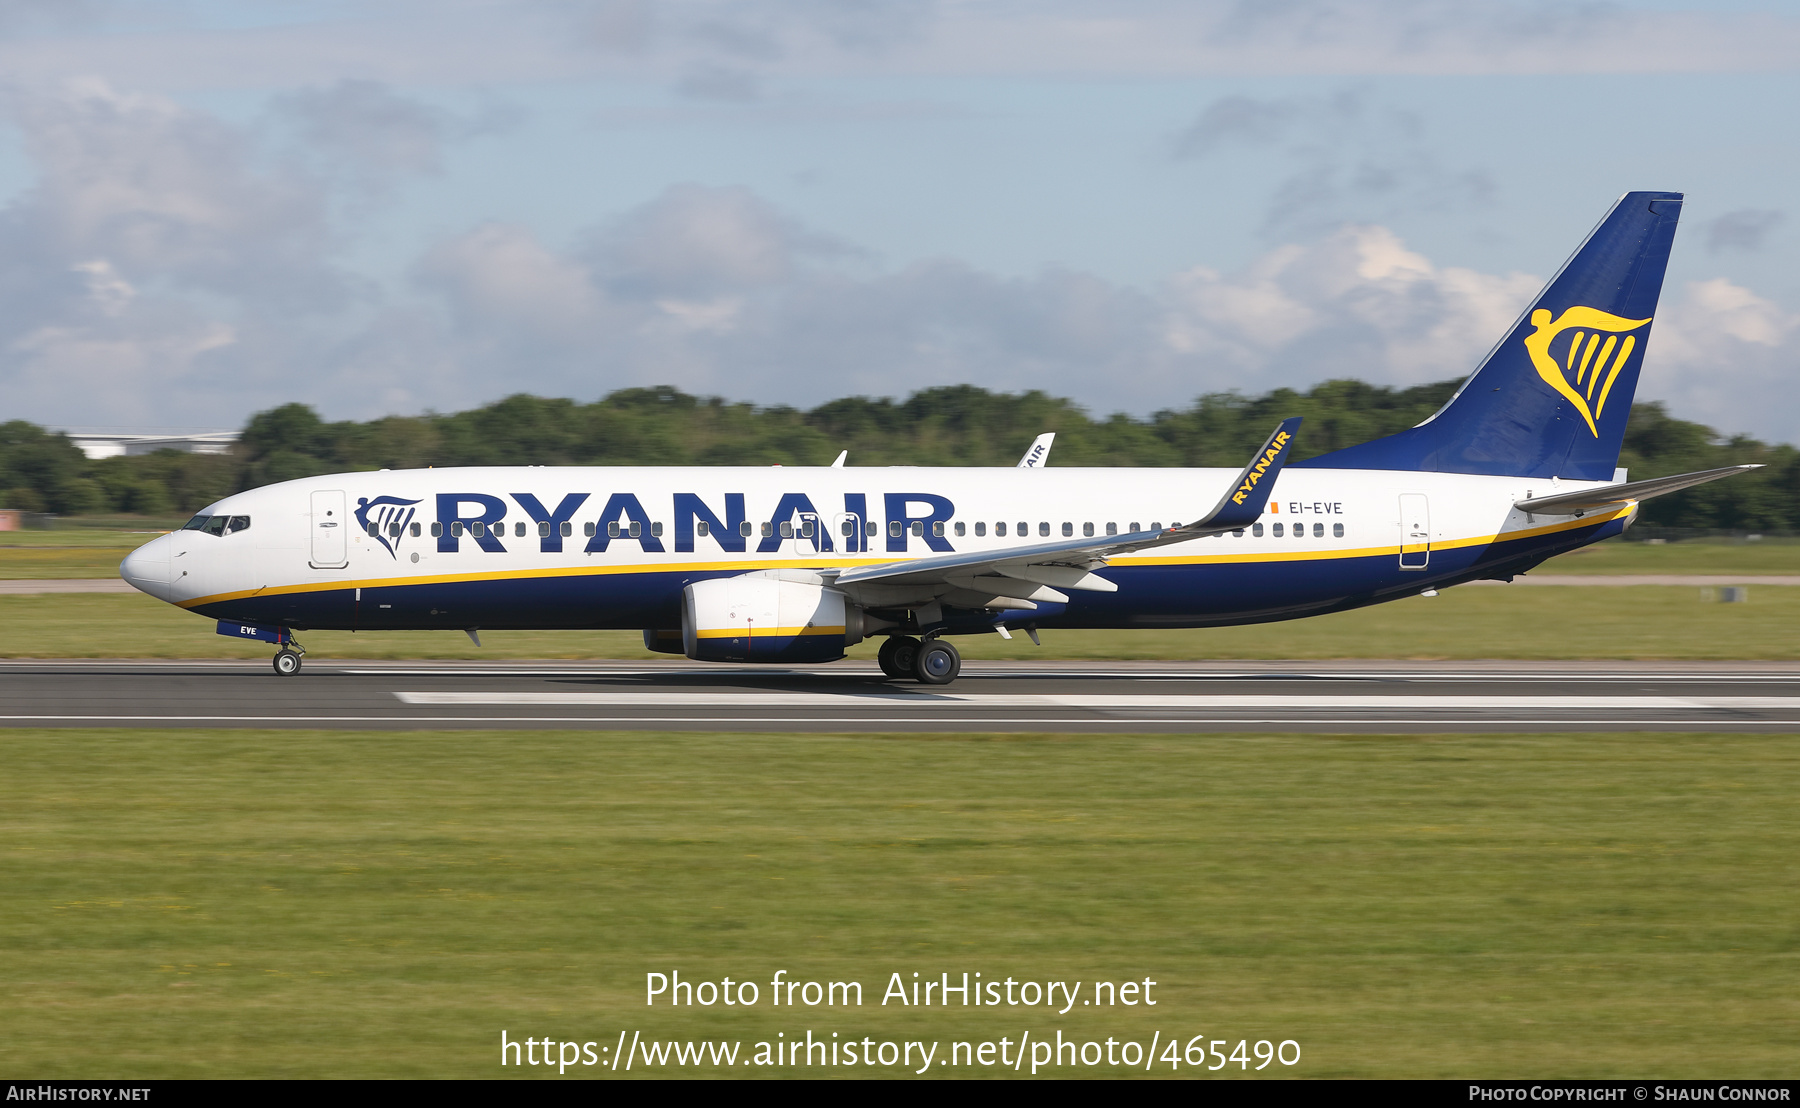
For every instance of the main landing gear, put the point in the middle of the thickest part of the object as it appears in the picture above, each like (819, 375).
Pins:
(287, 661)
(932, 662)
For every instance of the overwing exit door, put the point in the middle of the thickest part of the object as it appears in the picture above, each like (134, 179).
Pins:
(329, 530)
(846, 531)
(1415, 530)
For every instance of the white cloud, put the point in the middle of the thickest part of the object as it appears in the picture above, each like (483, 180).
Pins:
(1356, 303)
(1723, 356)
(160, 192)
(164, 270)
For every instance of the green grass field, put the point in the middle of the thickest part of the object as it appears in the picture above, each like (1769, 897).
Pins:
(1469, 622)
(291, 903)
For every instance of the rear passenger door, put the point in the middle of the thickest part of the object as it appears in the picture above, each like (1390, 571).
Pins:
(1415, 530)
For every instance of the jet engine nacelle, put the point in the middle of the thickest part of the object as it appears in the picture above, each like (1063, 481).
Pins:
(764, 619)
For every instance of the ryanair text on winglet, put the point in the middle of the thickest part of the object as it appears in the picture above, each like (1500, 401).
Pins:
(1256, 471)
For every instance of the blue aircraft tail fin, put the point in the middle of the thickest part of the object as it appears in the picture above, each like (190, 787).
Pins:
(1552, 399)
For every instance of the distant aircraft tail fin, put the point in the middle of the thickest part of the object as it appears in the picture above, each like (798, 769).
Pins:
(1552, 399)
(1038, 452)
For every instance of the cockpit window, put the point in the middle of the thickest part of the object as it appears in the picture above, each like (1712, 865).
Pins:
(218, 525)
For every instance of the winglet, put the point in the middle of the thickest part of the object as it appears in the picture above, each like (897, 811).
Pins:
(1038, 453)
(1243, 503)
(839, 464)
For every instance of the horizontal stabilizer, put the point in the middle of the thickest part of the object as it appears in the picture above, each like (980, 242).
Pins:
(1606, 496)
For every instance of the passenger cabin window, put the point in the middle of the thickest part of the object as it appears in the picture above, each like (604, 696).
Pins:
(415, 530)
(478, 529)
(787, 530)
(1318, 530)
(960, 530)
(437, 530)
(744, 528)
(612, 529)
(543, 528)
(806, 528)
(894, 529)
(1112, 528)
(374, 528)
(1156, 527)
(656, 530)
(567, 528)
(918, 528)
(1237, 534)
(937, 529)
(1087, 530)
(456, 529)
(768, 530)
(1024, 529)
(588, 529)
(637, 530)
(1256, 529)
(849, 528)
(1277, 530)
(1134, 527)
(980, 530)
(1000, 530)
(871, 529)
(1337, 530)
(701, 528)
(1044, 530)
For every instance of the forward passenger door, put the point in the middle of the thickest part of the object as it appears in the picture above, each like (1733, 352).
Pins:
(330, 530)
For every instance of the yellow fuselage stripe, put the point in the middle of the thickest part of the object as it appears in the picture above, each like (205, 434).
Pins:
(1122, 562)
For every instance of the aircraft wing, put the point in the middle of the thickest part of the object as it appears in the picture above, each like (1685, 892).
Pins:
(1588, 500)
(1038, 453)
(1020, 576)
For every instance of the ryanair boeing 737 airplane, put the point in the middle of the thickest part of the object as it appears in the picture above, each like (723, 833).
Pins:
(792, 564)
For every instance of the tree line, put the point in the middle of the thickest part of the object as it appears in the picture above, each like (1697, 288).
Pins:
(958, 425)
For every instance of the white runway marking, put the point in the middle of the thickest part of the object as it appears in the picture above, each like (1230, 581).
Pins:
(1187, 702)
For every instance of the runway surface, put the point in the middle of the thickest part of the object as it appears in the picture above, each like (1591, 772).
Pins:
(1329, 697)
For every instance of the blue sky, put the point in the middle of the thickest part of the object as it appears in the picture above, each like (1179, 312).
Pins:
(392, 206)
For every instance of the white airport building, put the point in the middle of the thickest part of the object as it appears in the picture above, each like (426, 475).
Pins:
(109, 444)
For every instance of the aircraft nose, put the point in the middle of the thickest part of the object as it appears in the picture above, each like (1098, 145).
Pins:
(147, 568)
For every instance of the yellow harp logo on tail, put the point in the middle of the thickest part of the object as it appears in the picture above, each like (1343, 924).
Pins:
(1590, 363)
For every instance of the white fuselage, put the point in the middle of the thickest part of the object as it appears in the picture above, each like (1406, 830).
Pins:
(1329, 539)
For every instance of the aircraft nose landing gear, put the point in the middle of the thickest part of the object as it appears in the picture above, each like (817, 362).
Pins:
(287, 660)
